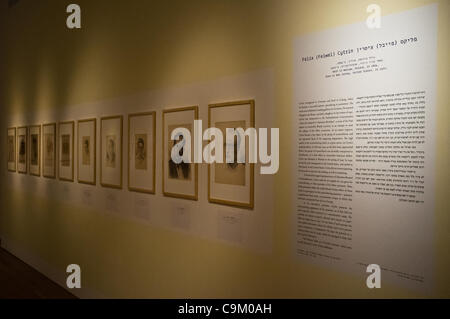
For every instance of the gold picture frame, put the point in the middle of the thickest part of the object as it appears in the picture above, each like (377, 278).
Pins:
(72, 123)
(172, 194)
(138, 189)
(44, 126)
(13, 151)
(38, 150)
(25, 148)
(250, 204)
(94, 150)
(102, 119)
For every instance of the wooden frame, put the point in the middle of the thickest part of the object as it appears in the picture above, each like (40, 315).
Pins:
(15, 149)
(136, 189)
(73, 154)
(121, 151)
(94, 150)
(55, 151)
(26, 150)
(249, 205)
(39, 149)
(176, 195)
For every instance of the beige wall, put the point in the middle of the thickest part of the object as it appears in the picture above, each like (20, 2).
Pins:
(126, 47)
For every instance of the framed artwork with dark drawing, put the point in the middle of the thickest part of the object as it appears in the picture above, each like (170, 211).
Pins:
(142, 152)
(111, 131)
(86, 150)
(34, 158)
(11, 149)
(180, 179)
(66, 151)
(22, 149)
(232, 181)
(49, 150)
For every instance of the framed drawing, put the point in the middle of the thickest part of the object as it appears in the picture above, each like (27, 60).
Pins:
(232, 183)
(111, 131)
(142, 152)
(179, 180)
(49, 150)
(65, 150)
(34, 158)
(22, 149)
(11, 145)
(86, 150)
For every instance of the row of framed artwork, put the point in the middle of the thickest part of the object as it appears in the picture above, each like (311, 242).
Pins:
(229, 183)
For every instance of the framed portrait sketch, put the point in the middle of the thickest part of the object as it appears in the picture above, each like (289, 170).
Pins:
(179, 180)
(49, 150)
(11, 152)
(34, 158)
(22, 149)
(232, 182)
(142, 152)
(111, 132)
(65, 150)
(86, 150)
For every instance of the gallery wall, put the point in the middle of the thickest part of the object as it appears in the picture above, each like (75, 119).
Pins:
(147, 56)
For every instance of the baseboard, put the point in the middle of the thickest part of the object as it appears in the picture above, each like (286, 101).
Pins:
(48, 270)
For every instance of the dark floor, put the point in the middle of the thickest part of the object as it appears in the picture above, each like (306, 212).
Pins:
(18, 280)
